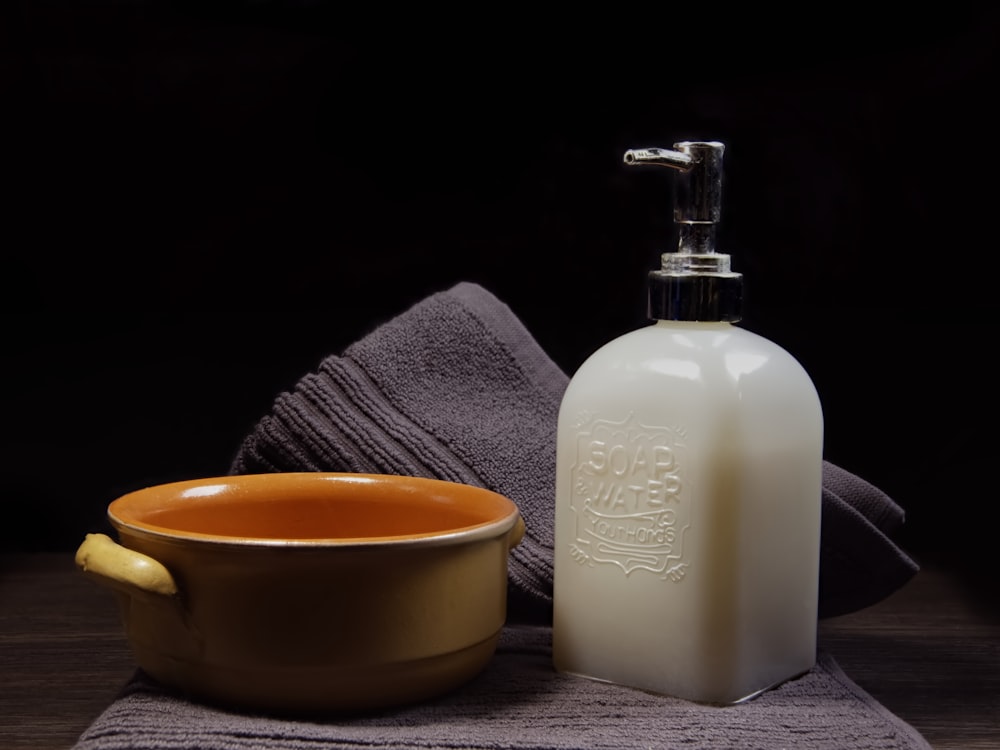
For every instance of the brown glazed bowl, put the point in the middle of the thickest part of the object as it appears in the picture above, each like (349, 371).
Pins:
(309, 592)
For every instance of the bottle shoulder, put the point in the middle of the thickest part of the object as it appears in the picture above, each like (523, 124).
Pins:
(697, 355)
(692, 340)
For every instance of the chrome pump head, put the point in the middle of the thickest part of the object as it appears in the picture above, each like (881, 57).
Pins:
(694, 283)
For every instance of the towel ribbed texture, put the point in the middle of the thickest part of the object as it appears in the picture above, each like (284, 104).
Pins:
(520, 703)
(859, 564)
(457, 388)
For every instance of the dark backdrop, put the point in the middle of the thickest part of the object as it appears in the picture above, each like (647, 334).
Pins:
(203, 203)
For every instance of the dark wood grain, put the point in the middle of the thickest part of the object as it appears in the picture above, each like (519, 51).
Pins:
(930, 654)
(63, 655)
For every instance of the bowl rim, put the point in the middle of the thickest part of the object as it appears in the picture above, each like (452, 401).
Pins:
(507, 517)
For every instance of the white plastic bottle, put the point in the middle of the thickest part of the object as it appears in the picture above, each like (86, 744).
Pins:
(689, 481)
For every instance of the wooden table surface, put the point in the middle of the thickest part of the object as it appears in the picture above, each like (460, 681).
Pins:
(930, 653)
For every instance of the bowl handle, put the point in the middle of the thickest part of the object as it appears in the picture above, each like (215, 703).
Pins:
(516, 533)
(122, 568)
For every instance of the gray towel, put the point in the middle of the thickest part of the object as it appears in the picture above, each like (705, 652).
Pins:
(520, 702)
(457, 388)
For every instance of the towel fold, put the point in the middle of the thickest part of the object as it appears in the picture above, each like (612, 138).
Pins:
(859, 564)
(456, 388)
(520, 703)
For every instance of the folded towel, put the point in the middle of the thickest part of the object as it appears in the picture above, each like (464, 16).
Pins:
(859, 564)
(457, 388)
(518, 702)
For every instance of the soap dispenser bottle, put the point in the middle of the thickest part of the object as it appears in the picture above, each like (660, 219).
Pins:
(689, 483)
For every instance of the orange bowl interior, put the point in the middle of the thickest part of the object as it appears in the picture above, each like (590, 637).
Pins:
(310, 506)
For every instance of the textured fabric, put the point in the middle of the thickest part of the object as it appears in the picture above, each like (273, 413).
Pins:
(519, 701)
(859, 564)
(877, 507)
(456, 388)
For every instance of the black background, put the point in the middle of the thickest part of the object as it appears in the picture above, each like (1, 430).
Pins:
(203, 203)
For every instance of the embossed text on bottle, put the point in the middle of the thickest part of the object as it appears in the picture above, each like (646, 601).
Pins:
(629, 497)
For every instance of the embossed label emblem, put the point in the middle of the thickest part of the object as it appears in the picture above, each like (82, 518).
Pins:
(629, 497)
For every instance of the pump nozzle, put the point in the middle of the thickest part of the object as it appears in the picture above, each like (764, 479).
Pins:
(658, 156)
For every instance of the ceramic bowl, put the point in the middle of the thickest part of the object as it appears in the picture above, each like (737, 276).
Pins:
(309, 592)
